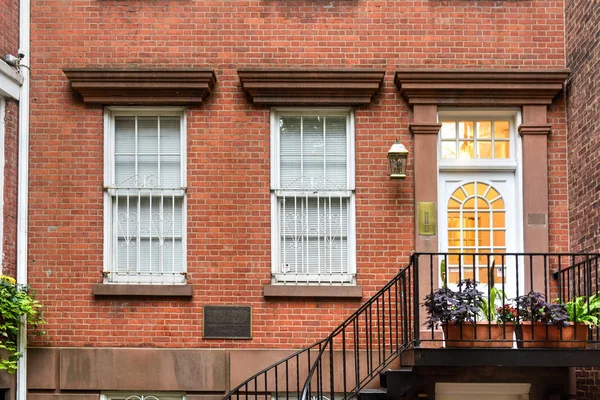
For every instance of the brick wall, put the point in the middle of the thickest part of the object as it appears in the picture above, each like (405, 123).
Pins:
(228, 147)
(583, 58)
(9, 21)
(11, 133)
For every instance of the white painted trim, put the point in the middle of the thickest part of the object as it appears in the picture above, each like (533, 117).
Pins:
(10, 81)
(23, 188)
(518, 390)
(2, 173)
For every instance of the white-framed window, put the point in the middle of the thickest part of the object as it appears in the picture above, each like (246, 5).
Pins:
(141, 396)
(312, 196)
(482, 139)
(144, 200)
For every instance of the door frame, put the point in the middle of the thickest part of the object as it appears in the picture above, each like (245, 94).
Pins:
(514, 165)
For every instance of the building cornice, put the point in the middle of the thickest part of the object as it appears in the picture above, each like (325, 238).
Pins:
(311, 87)
(471, 87)
(141, 86)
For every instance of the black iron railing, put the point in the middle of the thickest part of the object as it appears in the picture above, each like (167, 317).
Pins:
(353, 354)
(557, 278)
(393, 320)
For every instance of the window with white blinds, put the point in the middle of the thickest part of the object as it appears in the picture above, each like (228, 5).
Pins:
(313, 197)
(145, 196)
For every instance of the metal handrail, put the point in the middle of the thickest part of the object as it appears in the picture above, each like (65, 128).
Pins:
(258, 384)
(372, 369)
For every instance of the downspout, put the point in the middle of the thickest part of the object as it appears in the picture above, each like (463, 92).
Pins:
(23, 186)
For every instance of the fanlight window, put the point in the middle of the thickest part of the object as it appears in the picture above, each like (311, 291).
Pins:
(476, 224)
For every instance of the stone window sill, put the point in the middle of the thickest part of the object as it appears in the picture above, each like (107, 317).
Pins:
(102, 289)
(349, 292)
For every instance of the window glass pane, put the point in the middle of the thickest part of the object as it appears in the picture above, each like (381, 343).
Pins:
(499, 238)
(148, 167)
(124, 134)
(469, 204)
(498, 219)
(465, 129)
(313, 136)
(448, 149)
(125, 170)
(289, 171)
(453, 204)
(336, 172)
(498, 204)
(335, 138)
(469, 189)
(501, 129)
(501, 149)
(170, 137)
(484, 129)
(484, 238)
(148, 135)
(468, 220)
(170, 169)
(483, 219)
(448, 130)
(482, 188)
(453, 220)
(484, 149)
(482, 204)
(466, 150)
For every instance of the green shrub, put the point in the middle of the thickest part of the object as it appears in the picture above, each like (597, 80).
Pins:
(16, 306)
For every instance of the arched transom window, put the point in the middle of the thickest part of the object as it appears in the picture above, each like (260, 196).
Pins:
(476, 224)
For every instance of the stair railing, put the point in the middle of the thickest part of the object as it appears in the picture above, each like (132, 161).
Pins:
(353, 354)
(367, 341)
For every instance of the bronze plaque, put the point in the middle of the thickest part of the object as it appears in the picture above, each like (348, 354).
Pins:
(426, 218)
(227, 322)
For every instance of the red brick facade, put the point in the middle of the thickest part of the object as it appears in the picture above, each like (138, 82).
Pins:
(228, 147)
(11, 134)
(9, 20)
(583, 53)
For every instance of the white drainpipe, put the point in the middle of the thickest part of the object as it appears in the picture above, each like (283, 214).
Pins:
(23, 185)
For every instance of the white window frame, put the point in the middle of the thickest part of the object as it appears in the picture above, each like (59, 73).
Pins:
(109, 182)
(512, 163)
(277, 277)
(146, 395)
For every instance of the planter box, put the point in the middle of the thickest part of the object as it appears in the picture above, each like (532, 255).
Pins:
(481, 334)
(535, 335)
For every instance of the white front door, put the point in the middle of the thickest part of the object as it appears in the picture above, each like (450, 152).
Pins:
(477, 214)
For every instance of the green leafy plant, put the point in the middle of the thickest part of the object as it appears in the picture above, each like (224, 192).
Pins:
(16, 306)
(584, 309)
(489, 310)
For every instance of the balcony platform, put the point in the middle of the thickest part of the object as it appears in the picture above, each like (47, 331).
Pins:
(490, 357)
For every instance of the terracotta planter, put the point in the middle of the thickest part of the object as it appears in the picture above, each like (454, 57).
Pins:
(534, 335)
(481, 334)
